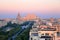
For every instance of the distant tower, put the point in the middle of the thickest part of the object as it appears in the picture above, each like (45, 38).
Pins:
(18, 16)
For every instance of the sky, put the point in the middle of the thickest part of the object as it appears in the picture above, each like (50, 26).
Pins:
(41, 8)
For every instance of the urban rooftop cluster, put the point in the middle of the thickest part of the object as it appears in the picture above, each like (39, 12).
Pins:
(42, 29)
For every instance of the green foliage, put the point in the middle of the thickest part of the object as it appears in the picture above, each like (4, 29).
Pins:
(25, 34)
(5, 35)
(16, 27)
(14, 31)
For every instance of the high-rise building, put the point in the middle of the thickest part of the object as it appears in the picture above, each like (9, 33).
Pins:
(2, 23)
(18, 16)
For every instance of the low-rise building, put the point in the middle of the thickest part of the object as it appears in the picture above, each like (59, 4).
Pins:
(44, 32)
(3, 23)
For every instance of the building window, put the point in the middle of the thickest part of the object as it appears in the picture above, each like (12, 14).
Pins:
(58, 34)
(42, 34)
(34, 34)
(52, 34)
(47, 34)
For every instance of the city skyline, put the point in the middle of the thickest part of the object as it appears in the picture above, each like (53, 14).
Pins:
(23, 15)
(41, 8)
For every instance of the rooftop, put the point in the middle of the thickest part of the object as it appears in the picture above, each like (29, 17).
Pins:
(46, 29)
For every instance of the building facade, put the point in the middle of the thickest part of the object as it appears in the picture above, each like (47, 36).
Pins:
(45, 31)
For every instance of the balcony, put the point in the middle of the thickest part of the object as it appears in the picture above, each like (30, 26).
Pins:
(58, 34)
(34, 34)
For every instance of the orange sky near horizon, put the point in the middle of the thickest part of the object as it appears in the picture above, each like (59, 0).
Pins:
(30, 5)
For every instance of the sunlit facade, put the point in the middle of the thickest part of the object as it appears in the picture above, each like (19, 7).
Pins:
(45, 31)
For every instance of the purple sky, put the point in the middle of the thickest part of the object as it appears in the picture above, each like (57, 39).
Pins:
(42, 8)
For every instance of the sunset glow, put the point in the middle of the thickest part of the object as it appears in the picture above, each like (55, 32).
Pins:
(41, 6)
